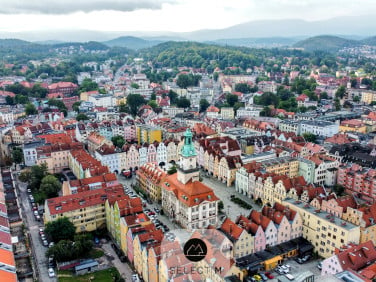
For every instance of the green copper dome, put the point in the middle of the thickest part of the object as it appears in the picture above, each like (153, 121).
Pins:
(188, 149)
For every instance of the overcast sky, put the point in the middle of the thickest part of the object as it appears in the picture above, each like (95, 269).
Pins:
(166, 15)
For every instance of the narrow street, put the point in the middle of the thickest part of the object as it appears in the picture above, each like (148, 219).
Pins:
(38, 250)
(123, 268)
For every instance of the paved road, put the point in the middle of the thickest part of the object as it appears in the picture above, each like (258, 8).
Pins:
(224, 193)
(33, 225)
(123, 268)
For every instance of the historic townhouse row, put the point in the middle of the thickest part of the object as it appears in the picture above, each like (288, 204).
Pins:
(220, 157)
(108, 129)
(270, 227)
(316, 169)
(134, 156)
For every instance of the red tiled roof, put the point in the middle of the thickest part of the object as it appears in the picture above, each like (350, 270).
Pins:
(6, 257)
(7, 276)
(5, 238)
(90, 198)
(232, 230)
(194, 192)
(357, 256)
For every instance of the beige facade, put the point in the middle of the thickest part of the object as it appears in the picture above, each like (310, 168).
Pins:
(325, 231)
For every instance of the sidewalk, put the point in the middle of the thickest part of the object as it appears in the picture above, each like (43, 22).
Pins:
(123, 268)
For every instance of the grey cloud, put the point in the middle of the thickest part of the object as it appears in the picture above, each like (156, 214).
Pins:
(59, 7)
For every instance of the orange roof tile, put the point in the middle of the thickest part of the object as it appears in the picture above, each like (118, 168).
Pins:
(194, 192)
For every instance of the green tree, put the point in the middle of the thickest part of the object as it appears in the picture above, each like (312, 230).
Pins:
(266, 112)
(215, 76)
(173, 97)
(309, 137)
(353, 82)
(356, 99)
(135, 85)
(204, 104)
(153, 96)
(232, 99)
(17, 155)
(337, 104)
(183, 81)
(172, 170)
(340, 93)
(25, 175)
(9, 100)
(60, 229)
(88, 85)
(76, 106)
(82, 116)
(50, 186)
(324, 95)
(123, 108)
(37, 172)
(30, 109)
(134, 101)
(243, 87)
(153, 104)
(183, 103)
(118, 141)
(339, 190)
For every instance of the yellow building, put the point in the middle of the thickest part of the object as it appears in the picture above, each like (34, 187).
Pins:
(148, 134)
(368, 97)
(353, 125)
(130, 221)
(142, 242)
(227, 113)
(243, 242)
(363, 217)
(150, 177)
(86, 210)
(84, 96)
(158, 252)
(283, 166)
(325, 231)
(122, 207)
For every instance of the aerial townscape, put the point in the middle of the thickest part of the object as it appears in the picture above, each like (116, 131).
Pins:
(171, 159)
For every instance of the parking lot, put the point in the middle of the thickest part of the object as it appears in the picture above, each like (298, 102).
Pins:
(290, 267)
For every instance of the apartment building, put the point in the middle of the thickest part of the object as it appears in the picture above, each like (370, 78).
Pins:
(148, 134)
(84, 165)
(358, 179)
(325, 231)
(318, 127)
(150, 178)
(86, 210)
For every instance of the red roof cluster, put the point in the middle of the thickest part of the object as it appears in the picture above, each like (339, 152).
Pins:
(85, 199)
(87, 162)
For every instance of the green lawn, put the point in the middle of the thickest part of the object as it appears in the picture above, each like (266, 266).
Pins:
(95, 253)
(107, 275)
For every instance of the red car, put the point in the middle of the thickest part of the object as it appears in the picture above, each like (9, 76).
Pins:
(269, 275)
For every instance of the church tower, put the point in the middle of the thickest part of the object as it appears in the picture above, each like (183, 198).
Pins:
(187, 169)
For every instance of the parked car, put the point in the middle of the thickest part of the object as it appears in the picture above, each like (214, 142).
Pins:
(51, 272)
(45, 243)
(257, 277)
(135, 278)
(156, 210)
(319, 265)
(263, 276)
(28, 190)
(269, 275)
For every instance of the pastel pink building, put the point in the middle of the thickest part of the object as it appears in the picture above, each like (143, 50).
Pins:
(255, 230)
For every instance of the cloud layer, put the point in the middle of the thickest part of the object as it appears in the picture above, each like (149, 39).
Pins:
(71, 6)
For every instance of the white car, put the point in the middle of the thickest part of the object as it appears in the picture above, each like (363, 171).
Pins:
(51, 272)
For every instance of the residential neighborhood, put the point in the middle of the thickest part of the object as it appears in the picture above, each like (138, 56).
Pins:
(187, 161)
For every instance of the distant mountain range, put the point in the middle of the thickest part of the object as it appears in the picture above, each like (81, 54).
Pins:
(332, 43)
(342, 32)
(355, 26)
